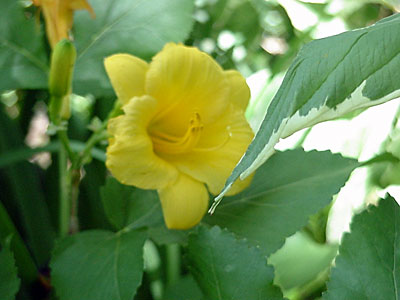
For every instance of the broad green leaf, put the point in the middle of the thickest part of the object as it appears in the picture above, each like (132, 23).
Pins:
(9, 283)
(228, 269)
(125, 205)
(285, 191)
(330, 78)
(23, 58)
(136, 27)
(98, 265)
(369, 257)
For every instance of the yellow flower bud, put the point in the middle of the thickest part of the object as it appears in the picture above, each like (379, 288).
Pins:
(58, 15)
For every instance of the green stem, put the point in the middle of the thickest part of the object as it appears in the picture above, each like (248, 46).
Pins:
(25, 263)
(64, 183)
(173, 267)
(63, 137)
(74, 193)
(70, 179)
(302, 139)
(96, 137)
(383, 157)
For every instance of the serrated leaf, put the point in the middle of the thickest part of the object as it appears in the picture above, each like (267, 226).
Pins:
(98, 265)
(228, 269)
(330, 78)
(369, 257)
(285, 191)
(9, 283)
(23, 58)
(137, 27)
(125, 205)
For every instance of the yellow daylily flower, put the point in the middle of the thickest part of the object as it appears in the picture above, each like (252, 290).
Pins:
(58, 15)
(183, 128)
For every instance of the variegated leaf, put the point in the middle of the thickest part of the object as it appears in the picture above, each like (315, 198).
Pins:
(330, 78)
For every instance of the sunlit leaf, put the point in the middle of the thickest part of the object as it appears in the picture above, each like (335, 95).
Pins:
(330, 78)
(226, 268)
(301, 260)
(369, 257)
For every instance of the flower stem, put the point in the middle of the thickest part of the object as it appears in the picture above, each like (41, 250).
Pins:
(98, 135)
(173, 267)
(70, 178)
(74, 193)
(64, 183)
(62, 136)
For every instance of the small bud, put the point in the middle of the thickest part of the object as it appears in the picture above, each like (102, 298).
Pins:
(61, 70)
(62, 64)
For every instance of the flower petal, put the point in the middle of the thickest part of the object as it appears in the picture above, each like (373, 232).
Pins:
(221, 146)
(127, 74)
(186, 81)
(130, 156)
(239, 92)
(80, 4)
(184, 202)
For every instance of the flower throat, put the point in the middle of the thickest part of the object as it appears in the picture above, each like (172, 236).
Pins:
(170, 144)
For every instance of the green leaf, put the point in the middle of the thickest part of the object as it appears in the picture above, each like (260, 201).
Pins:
(137, 27)
(25, 201)
(285, 191)
(330, 78)
(161, 235)
(23, 58)
(98, 265)
(23, 259)
(245, 20)
(24, 153)
(227, 268)
(185, 288)
(125, 205)
(369, 257)
(9, 283)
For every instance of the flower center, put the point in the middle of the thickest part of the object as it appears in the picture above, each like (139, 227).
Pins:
(170, 144)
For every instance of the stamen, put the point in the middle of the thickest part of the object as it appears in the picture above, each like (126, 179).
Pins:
(217, 147)
(170, 144)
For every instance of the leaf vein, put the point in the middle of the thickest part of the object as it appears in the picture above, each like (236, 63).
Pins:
(26, 54)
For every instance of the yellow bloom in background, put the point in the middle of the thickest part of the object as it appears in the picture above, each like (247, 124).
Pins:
(58, 15)
(183, 128)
